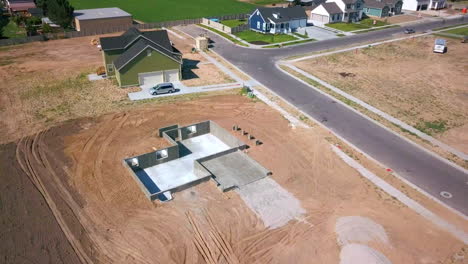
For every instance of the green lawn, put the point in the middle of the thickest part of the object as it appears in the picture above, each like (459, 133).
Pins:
(366, 23)
(252, 36)
(168, 10)
(234, 22)
(11, 30)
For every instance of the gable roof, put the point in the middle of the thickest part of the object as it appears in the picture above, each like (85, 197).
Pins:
(159, 37)
(375, 4)
(284, 14)
(332, 8)
(140, 45)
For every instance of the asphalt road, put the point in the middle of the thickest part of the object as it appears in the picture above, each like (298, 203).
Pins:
(411, 162)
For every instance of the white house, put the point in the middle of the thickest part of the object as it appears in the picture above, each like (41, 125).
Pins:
(350, 11)
(326, 13)
(418, 5)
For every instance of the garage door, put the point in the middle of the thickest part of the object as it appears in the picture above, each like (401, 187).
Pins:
(319, 18)
(171, 76)
(151, 78)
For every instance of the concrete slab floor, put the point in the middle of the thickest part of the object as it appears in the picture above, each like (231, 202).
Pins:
(235, 170)
(180, 171)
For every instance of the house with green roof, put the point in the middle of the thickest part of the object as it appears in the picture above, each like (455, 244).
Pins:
(382, 8)
(141, 58)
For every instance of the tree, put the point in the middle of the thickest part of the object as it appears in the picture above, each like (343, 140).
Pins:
(42, 4)
(31, 25)
(60, 12)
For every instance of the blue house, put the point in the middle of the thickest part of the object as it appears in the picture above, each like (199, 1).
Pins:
(278, 20)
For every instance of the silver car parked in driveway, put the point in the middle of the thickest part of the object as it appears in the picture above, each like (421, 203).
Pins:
(162, 88)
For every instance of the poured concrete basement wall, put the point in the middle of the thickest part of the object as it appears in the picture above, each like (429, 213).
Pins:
(225, 136)
(202, 129)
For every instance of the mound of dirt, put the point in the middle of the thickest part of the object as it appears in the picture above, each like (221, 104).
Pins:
(360, 229)
(356, 253)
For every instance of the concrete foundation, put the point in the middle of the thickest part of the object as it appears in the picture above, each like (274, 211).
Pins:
(197, 153)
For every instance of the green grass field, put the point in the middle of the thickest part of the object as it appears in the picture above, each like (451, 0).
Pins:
(252, 36)
(168, 10)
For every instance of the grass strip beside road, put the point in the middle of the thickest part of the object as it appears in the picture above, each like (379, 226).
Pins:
(227, 36)
(289, 43)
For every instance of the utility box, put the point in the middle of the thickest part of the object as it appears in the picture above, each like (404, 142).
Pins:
(201, 43)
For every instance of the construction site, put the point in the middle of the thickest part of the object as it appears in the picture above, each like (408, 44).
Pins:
(91, 177)
(312, 206)
(197, 153)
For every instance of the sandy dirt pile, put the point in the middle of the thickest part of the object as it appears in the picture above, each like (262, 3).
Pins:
(105, 217)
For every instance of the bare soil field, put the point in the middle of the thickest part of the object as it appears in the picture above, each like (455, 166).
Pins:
(197, 71)
(44, 83)
(398, 19)
(406, 80)
(77, 167)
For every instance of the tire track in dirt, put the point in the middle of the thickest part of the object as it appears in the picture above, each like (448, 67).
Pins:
(102, 150)
(81, 160)
(25, 156)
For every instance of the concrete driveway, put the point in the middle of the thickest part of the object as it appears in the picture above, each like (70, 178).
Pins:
(317, 33)
(181, 89)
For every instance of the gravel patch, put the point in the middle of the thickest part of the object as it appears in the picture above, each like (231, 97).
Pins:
(273, 204)
(359, 229)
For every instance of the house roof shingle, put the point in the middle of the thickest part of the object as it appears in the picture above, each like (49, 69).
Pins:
(375, 4)
(157, 40)
(332, 8)
(284, 14)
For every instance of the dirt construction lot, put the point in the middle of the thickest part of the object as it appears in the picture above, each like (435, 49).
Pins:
(408, 81)
(76, 169)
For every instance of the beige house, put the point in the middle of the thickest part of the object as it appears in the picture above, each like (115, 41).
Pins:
(102, 20)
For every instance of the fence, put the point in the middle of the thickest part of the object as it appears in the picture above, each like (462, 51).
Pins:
(224, 28)
(84, 33)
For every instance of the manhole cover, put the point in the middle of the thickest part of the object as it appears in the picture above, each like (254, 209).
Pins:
(446, 195)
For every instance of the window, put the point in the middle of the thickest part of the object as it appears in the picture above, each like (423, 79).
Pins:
(258, 24)
(264, 26)
(148, 52)
(345, 14)
(192, 129)
(348, 6)
(110, 67)
(358, 5)
(161, 154)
